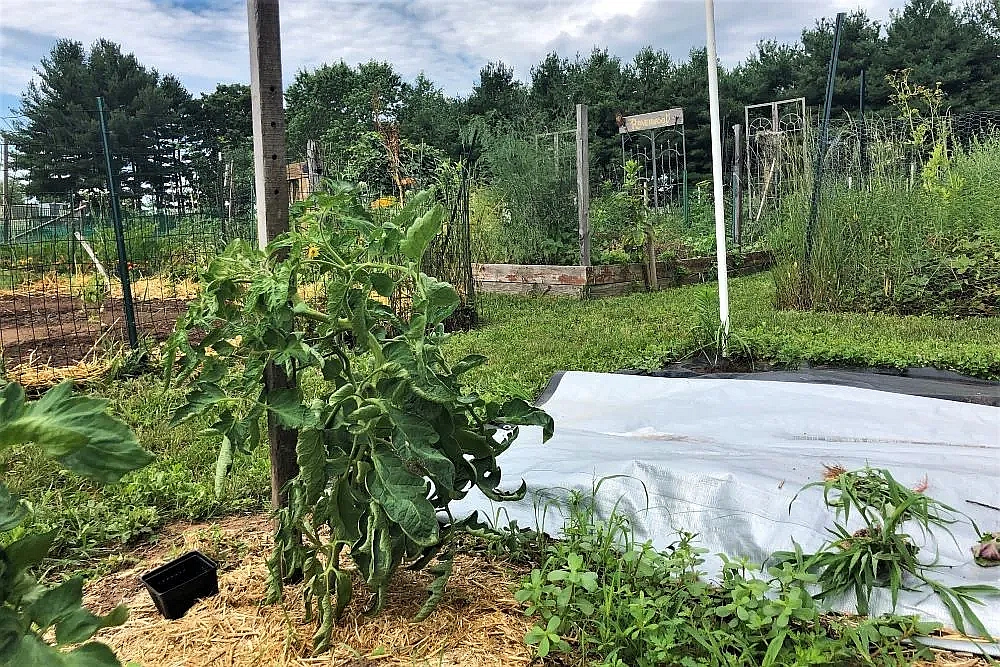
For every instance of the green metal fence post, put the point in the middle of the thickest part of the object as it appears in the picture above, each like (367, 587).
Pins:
(824, 139)
(684, 150)
(116, 220)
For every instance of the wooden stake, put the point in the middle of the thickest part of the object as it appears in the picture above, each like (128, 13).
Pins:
(583, 182)
(271, 182)
(315, 169)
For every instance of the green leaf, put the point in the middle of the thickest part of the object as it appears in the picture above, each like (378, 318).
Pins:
(437, 587)
(12, 404)
(774, 648)
(12, 510)
(404, 497)
(414, 442)
(80, 625)
(436, 300)
(93, 654)
(33, 651)
(311, 457)
(29, 550)
(76, 431)
(286, 404)
(519, 411)
(383, 284)
(223, 464)
(57, 603)
(467, 363)
(419, 234)
(199, 401)
(344, 591)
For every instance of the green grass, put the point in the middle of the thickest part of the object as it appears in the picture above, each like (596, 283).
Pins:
(526, 339)
(94, 521)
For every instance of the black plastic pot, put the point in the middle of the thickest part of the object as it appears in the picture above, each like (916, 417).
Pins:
(176, 585)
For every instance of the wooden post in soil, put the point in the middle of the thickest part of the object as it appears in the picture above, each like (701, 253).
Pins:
(583, 181)
(271, 184)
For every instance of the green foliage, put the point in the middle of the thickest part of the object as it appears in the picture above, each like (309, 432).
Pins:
(534, 201)
(530, 338)
(620, 220)
(611, 600)
(880, 553)
(712, 341)
(78, 433)
(58, 138)
(920, 242)
(390, 438)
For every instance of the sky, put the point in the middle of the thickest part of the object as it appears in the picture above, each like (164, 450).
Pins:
(204, 42)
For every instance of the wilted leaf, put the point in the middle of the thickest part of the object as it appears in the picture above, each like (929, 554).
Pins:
(404, 497)
(519, 411)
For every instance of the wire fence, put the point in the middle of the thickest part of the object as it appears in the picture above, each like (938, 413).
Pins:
(73, 283)
(77, 287)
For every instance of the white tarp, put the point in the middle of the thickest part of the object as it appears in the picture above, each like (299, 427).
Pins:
(723, 459)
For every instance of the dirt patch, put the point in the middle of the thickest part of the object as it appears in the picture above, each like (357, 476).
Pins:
(60, 330)
(478, 623)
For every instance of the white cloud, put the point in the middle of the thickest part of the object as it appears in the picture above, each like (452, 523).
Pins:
(450, 40)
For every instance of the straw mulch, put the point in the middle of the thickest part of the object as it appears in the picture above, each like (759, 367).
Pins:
(479, 623)
(39, 375)
(150, 288)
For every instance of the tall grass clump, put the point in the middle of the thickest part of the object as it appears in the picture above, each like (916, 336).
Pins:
(525, 211)
(912, 226)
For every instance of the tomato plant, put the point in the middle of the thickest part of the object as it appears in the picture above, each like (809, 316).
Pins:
(391, 438)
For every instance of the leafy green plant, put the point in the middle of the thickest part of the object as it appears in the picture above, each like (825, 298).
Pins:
(609, 600)
(391, 438)
(918, 236)
(532, 197)
(712, 341)
(78, 433)
(880, 553)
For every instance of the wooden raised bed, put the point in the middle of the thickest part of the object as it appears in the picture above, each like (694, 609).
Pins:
(610, 280)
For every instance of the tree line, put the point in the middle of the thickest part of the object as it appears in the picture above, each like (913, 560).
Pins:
(159, 128)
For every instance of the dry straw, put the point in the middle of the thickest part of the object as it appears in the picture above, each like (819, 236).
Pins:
(478, 624)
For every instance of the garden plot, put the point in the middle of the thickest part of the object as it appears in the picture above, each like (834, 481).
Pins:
(725, 458)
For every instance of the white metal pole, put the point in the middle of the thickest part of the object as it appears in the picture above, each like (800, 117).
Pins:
(720, 204)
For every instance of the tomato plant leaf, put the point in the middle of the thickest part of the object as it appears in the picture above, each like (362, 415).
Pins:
(76, 431)
(12, 510)
(403, 495)
(418, 235)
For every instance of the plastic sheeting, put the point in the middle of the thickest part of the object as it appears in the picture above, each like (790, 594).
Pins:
(723, 458)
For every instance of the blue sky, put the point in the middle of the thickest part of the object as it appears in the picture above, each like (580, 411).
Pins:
(204, 42)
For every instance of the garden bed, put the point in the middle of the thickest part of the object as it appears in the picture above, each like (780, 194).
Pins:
(608, 280)
(60, 331)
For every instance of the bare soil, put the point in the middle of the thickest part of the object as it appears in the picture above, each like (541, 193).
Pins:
(57, 329)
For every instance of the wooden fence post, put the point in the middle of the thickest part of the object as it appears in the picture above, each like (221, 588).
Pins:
(583, 181)
(271, 185)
